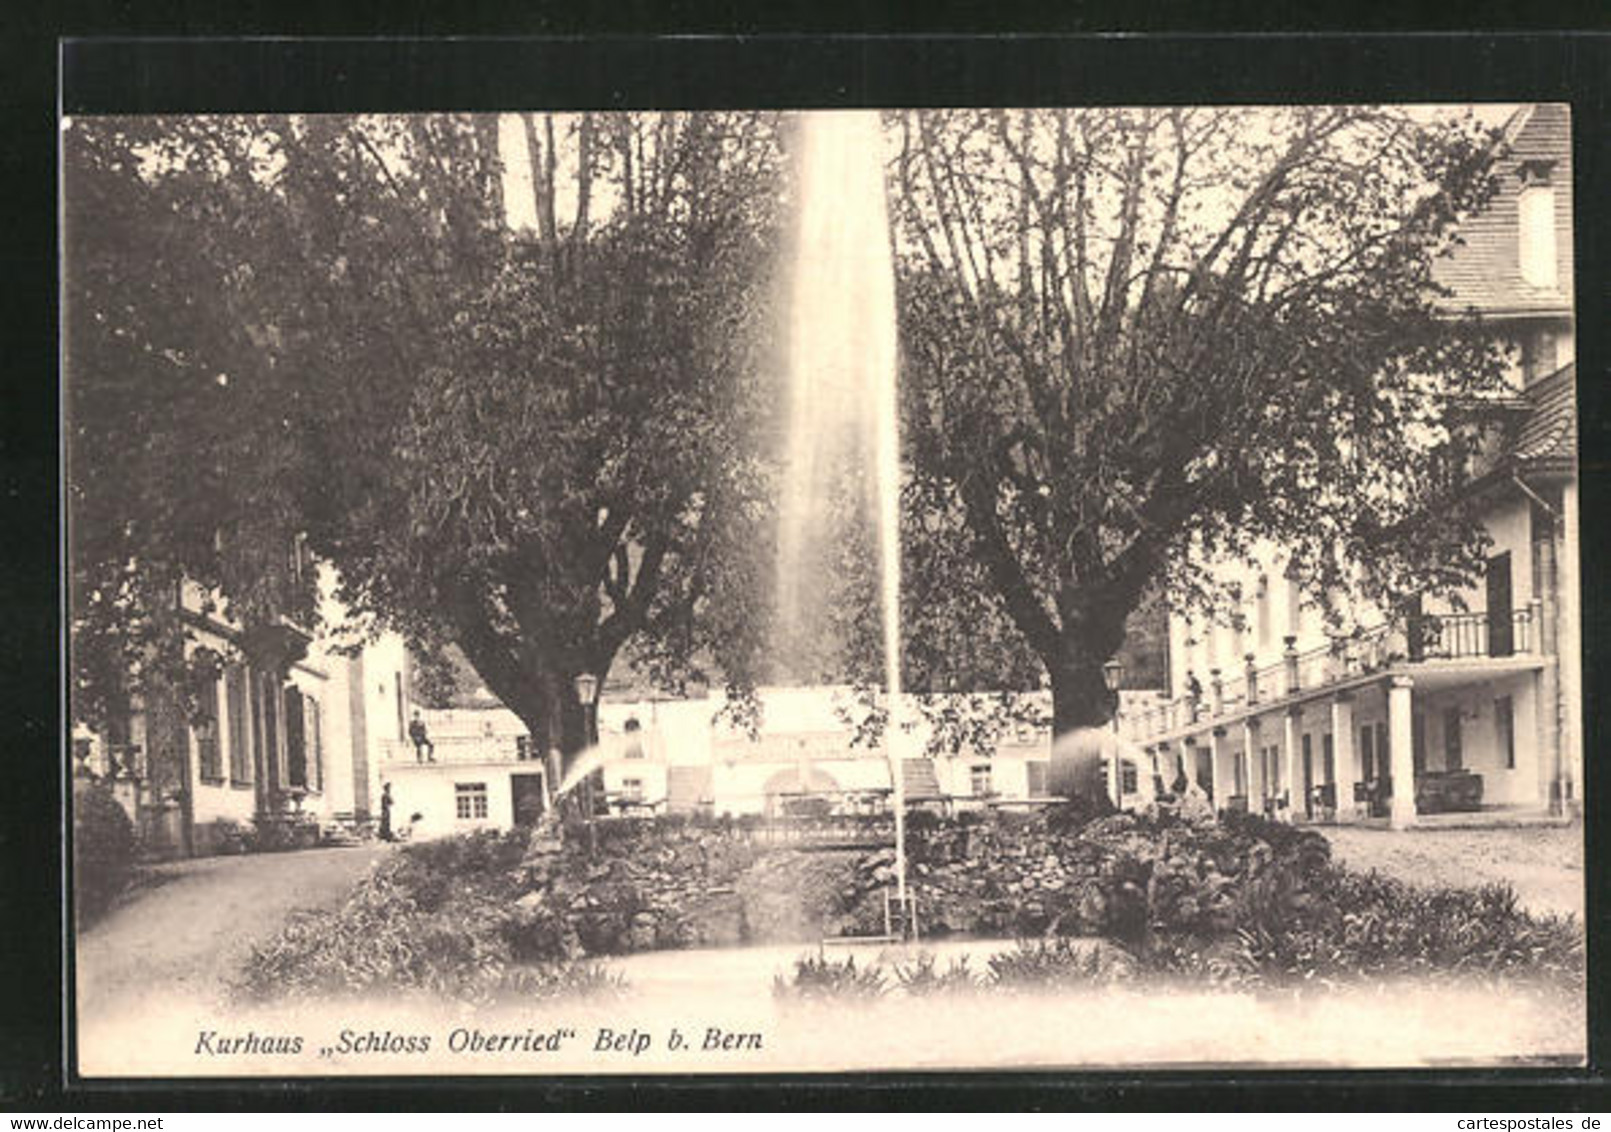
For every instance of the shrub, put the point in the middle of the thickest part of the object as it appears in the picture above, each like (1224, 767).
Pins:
(104, 845)
(381, 939)
(470, 856)
(231, 836)
(370, 941)
(818, 977)
(1059, 963)
(1075, 814)
(922, 978)
(561, 981)
(1334, 925)
(1374, 925)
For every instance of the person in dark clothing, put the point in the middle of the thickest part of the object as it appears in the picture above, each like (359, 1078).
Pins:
(424, 749)
(386, 813)
(1194, 695)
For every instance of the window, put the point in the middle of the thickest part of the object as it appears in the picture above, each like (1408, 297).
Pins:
(1505, 729)
(397, 690)
(315, 740)
(1538, 356)
(632, 789)
(1367, 752)
(470, 801)
(632, 746)
(205, 725)
(1129, 779)
(1453, 755)
(1535, 211)
(979, 780)
(269, 739)
(240, 748)
(1262, 604)
(523, 747)
(1270, 764)
(296, 749)
(1294, 586)
(1037, 779)
(1418, 739)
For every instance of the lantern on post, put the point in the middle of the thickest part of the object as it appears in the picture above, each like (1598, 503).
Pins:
(587, 692)
(1113, 676)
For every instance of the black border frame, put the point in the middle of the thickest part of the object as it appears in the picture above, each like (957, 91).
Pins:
(127, 75)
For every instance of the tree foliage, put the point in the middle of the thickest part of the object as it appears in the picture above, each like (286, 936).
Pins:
(535, 446)
(1138, 342)
(182, 457)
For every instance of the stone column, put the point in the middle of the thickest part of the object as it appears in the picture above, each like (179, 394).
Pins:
(1188, 762)
(1224, 771)
(1569, 644)
(1345, 759)
(1289, 762)
(1256, 786)
(1401, 740)
(1115, 782)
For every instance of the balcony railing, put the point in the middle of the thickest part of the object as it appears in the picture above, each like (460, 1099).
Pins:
(457, 749)
(1430, 637)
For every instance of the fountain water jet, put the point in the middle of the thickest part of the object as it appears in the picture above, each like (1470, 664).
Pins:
(842, 383)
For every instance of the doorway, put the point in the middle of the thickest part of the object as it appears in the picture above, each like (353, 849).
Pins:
(1308, 777)
(529, 799)
(1501, 633)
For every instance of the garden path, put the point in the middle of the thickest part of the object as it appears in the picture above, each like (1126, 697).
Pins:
(1544, 864)
(181, 936)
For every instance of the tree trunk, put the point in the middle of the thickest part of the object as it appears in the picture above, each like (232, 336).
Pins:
(554, 718)
(558, 725)
(1082, 707)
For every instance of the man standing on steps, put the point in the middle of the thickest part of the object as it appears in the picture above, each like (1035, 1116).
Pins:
(424, 749)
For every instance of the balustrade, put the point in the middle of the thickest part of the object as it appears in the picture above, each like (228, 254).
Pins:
(1448, 636)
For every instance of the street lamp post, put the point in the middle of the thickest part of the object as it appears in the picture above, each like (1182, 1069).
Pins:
(1112, 676)
(587, 693)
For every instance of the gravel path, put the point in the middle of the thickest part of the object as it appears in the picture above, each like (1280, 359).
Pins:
(1544, 864)
(182, 937)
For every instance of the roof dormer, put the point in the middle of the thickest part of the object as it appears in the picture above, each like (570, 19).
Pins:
(1535, 222)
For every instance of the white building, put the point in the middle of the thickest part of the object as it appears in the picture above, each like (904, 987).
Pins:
(290, 736)
(685, 756)
(1457, 707)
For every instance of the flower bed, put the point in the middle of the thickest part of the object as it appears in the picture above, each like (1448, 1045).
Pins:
(1239, 901)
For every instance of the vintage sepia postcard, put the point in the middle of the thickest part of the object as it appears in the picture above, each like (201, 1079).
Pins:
(778, 590)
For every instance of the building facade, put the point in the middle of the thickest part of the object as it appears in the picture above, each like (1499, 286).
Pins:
(684, 756)
(285, 740)
(1463, 704)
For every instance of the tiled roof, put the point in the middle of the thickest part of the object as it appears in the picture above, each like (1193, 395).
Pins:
(1484, 272)
(1550, 429)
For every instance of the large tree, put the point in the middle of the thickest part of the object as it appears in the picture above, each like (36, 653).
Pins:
(179, 463)
(534, 445)
(1138, 341)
